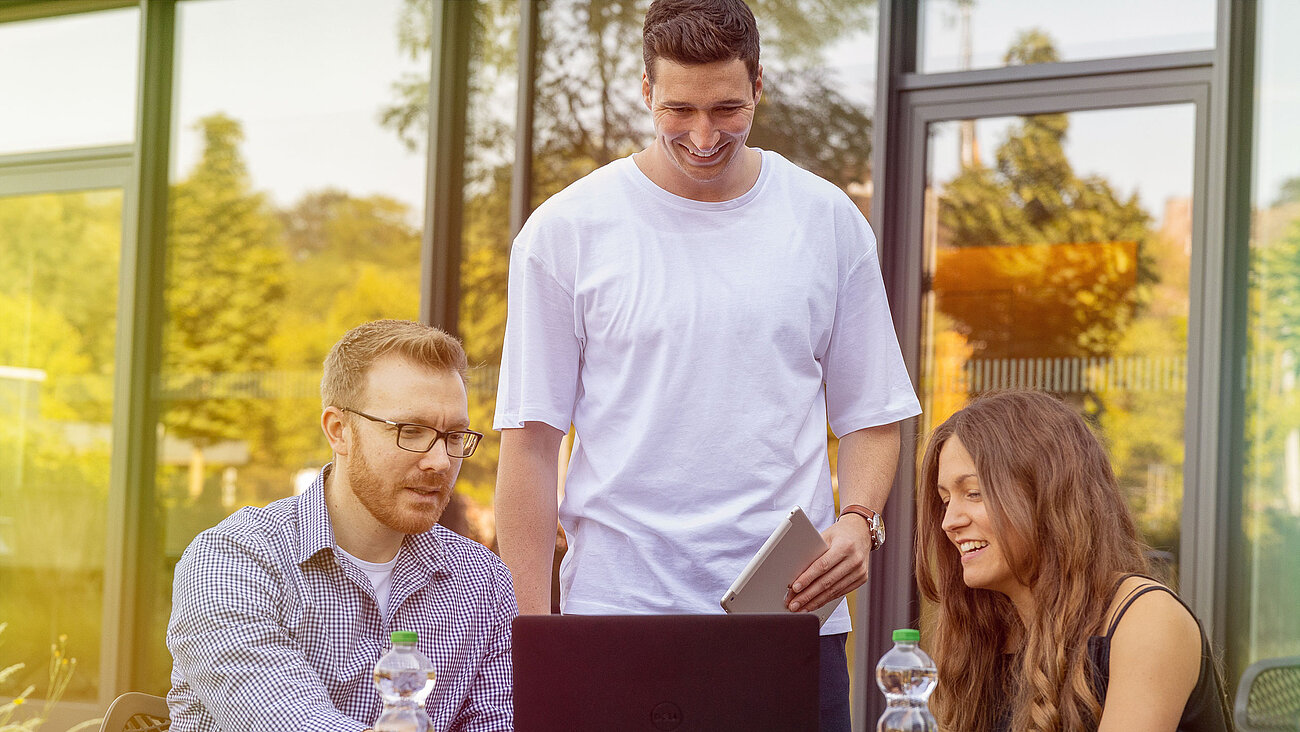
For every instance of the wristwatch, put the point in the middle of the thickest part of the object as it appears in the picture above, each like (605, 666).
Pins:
(874, 522)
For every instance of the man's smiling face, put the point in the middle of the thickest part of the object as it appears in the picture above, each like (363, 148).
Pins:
(702, 117)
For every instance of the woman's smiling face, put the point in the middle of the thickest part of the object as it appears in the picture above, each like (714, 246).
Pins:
(985, 556)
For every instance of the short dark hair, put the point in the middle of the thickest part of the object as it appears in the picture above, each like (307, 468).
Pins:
(692, 32)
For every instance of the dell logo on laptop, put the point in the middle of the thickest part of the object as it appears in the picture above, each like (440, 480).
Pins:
(666, 716)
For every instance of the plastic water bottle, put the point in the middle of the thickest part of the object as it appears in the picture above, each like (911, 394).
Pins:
(404, 678)
(906, 675)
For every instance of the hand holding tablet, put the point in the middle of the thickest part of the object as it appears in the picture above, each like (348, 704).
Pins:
(764, 584)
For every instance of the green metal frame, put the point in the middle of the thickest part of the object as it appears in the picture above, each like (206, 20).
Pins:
(11, 10)
(140, 307)
(66, 170)
(1231, 172)
(444, 192)
(521, 181)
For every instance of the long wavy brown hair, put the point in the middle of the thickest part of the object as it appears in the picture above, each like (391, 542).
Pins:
(1049, 488)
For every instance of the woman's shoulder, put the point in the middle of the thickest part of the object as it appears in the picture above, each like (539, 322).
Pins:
(1139, 601)
(1155, 657)
(1149, 627)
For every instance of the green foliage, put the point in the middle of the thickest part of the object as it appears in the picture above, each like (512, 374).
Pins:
(1033, 196)
(58, 299)
(59, 253)
(225, 274)
(1288, 192)
(806, 118)
(1074, 268)
(1273, 401)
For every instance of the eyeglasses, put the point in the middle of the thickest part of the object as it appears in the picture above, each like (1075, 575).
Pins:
(421, 438)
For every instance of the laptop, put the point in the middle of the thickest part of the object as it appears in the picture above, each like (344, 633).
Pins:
(666, 673)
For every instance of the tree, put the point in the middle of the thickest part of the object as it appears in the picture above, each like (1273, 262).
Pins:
(1037, 262)
(1037, 216)
(225, 273)
(1288, 192)
(58, 299)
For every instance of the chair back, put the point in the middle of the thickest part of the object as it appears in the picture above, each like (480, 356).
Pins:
(1268, 696)
(137, 712)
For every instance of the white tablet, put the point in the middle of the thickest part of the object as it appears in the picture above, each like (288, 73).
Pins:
(764, 585)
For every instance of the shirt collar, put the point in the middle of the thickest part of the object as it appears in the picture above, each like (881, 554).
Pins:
(314, 530)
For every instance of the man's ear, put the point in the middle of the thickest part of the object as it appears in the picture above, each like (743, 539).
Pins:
(646, 89)
(758, 84)
(336, 429)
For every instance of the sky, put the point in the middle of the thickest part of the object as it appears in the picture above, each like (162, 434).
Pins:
(308, 79)
(1156, 167)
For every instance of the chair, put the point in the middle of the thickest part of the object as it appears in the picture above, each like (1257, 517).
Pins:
(1268, 696)
(137, 712)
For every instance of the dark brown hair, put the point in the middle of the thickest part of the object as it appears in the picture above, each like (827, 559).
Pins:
(692, 32)
(1050, 490)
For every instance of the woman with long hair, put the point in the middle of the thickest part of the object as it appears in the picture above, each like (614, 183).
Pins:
(1046, 617)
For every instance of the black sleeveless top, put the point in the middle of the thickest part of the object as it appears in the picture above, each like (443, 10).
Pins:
(1204, 711)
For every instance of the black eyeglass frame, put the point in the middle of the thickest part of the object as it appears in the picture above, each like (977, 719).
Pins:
(472, 438)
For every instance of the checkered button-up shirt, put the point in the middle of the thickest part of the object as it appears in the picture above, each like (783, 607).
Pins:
(272, 629)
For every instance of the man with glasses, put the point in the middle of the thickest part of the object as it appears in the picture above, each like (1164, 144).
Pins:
(280, 613)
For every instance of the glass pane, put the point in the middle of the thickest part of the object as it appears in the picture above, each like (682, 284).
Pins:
(68, 81)
(1058, 258)
(489, 165)
(959, 35)
(56, 392)
(295, 214)
(1264, 577)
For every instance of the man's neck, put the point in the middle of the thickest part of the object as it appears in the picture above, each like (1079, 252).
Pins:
(355, 530)
(660, 172)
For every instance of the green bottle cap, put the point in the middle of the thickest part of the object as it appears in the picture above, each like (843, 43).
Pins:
(404, 636)
(907, 635)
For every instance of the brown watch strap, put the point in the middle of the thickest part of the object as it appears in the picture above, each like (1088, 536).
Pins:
(873, 520)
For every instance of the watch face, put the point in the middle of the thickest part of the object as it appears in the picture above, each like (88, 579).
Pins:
(877, 532)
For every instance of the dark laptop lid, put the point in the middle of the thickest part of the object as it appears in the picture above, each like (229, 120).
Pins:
(666, 673)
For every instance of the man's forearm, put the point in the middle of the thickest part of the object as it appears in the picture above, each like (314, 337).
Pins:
(526, 511)
(866, 465)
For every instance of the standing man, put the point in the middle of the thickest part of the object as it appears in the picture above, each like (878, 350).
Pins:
(698, 312)
(280, 613)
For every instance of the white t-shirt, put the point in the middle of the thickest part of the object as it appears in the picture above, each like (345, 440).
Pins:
(698, 349)
(380, 575)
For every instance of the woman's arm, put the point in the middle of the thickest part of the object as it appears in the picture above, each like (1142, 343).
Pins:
(1155, 661)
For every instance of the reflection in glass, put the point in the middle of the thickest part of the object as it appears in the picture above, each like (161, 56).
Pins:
(485, 241)
(295, 214)
(959, 35)
(56, 395)
(1264, 578)
(1064, 267)
(76, 87)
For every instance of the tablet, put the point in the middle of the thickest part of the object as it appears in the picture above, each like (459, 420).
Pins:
(764, 585)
